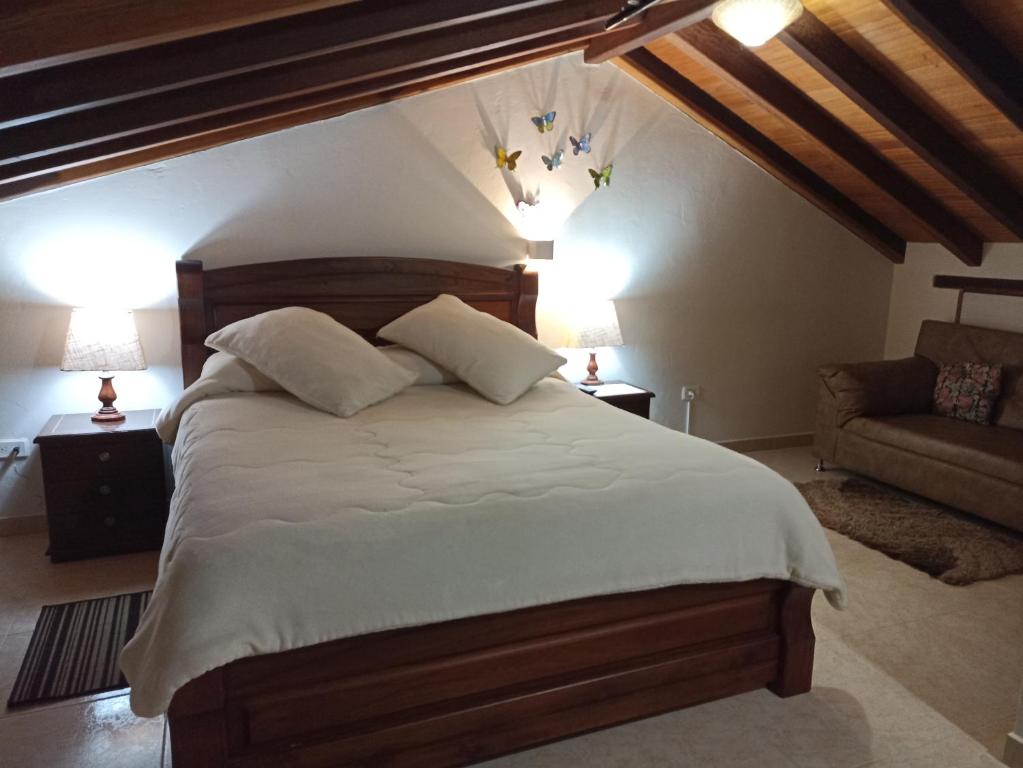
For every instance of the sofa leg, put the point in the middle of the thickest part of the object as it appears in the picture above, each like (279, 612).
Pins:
(820, 466)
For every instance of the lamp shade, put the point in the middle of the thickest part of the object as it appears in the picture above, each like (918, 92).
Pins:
(595, 324)
(102, 340)
(754, 22)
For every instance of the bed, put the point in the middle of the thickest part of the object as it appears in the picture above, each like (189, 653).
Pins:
(409, 677)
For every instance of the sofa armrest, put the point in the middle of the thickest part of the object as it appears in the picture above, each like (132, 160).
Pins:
(882, 388)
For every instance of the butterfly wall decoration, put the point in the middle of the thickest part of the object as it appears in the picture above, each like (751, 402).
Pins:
(506, 158)
(544, 122)
(601, 178)
(582, 144)
(554, 162)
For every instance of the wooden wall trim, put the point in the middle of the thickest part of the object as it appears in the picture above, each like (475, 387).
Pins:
(872, 91)
(727, 57)
(977, 55)
(678, 90)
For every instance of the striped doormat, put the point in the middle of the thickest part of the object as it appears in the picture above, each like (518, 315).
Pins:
(75, 646)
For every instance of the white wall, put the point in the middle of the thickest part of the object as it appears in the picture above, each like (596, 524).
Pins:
(725, 278)
(914, 299)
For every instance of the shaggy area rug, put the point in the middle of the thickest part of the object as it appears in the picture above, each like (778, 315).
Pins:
(951, 546)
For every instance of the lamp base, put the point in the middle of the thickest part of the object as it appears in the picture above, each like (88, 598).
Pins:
(107, 414)
(103, 416)
(591, 369)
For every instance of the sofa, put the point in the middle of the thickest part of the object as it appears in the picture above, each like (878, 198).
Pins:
(876, 419)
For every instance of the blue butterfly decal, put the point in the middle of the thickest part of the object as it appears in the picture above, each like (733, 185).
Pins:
(582, 144)
(553, 163)
(544, 122)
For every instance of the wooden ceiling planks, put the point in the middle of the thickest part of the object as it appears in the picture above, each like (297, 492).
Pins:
(914, 126)
(849, 180)
(709, 111)
(955, 154)
(730, 59)
(981, 57)
(895, 116)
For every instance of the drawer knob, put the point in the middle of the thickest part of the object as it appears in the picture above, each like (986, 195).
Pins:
(104, 456)
(104, 490)
(109, 521)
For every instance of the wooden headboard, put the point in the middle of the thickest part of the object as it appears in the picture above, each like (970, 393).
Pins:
(363, 293)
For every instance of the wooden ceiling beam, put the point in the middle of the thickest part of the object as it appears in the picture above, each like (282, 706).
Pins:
(696, 102)
(728, 58)
(43, 33)
(29, 141)
(964, 43)
(256, 127)
(873, 92)
(106, 79)
(656, 23)
(18, 178)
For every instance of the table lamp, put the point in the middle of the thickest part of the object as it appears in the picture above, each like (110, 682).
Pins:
(103, 340)
(595, 324)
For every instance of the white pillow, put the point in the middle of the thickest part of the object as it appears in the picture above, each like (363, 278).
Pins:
(425, 371)
(315, 358)
(493, 357)
(236, 375)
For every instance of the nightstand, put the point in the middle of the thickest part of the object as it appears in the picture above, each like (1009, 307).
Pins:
(106, 485)
(624, 396)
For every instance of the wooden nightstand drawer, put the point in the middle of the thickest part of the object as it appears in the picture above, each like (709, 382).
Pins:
(101, 457)
(102, 495)
(76, 533)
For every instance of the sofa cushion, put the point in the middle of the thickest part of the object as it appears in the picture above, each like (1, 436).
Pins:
(882, 388)
(955, 343)
(990, 450)
(968, 391)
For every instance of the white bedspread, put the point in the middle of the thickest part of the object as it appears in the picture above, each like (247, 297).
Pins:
(291, 527)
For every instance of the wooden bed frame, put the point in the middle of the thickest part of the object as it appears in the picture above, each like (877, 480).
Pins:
(459, 692)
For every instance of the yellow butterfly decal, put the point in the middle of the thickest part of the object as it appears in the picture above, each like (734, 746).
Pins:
(506, 158)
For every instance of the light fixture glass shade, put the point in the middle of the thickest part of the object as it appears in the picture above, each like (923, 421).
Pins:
(754, 22)
(102, 340)
(595, 324)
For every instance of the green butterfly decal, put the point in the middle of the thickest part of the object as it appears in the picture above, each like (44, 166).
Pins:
(601, 178)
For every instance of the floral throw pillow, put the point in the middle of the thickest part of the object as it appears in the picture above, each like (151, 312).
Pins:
(968, 391)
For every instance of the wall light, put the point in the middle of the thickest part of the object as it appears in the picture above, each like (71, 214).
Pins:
(540, 249)
(754, 22)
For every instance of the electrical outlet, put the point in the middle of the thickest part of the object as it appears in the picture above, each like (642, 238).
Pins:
(8, 447)
(690, 391)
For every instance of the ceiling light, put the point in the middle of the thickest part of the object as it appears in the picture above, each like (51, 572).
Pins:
(754, 22)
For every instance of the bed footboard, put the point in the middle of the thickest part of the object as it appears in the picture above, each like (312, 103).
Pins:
(464, 691)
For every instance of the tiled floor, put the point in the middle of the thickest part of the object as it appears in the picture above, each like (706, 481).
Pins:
(959, 649)
(900, 676)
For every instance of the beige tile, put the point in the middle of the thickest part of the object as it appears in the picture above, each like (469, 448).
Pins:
(97, 734)
(948, 663)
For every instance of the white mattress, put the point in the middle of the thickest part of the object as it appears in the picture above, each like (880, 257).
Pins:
(291, 527)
